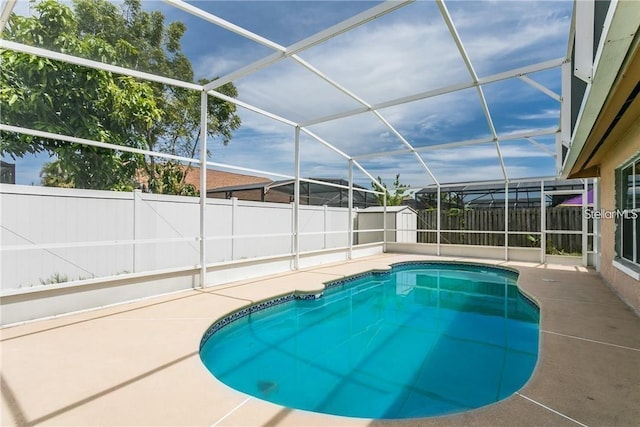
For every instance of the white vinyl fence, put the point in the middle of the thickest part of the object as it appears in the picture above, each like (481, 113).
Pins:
(64, 250)
(55, 235)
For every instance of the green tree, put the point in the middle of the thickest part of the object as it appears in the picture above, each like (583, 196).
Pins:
(52, 175)
(69, 99)
(170, 179)
(395, 198)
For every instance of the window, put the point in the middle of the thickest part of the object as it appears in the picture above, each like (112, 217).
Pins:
(628, 212)
(636, 207)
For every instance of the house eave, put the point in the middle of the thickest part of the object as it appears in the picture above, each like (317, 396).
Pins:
(617, 55)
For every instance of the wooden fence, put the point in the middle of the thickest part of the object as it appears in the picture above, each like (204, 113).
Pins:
(493, 219)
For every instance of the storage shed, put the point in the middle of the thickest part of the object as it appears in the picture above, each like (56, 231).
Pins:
(402, 222)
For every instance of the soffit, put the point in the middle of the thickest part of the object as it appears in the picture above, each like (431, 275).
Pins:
(611, 126)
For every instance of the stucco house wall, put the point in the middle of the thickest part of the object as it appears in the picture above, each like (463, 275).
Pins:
(623, 150)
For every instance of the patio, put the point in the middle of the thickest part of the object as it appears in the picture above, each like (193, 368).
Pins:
(105, 295)
(138, 363)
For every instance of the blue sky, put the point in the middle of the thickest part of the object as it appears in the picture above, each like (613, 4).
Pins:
(403, 53)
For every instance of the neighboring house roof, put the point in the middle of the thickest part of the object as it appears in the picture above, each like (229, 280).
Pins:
(7, 173)
(219, 179)
(521, 194)
(314, 193)
(267, 185)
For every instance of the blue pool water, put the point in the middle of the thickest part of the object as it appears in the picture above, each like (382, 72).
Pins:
(422, 340)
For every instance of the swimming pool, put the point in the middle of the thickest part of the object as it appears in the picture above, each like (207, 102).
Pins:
(424, 339)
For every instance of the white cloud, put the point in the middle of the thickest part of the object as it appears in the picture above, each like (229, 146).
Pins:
(403, 54)
(216, 65)
(376, 62)
(406, 52)
(512, 31)
(382, 62)
(470, 155)
(544, 114)
(518, 130)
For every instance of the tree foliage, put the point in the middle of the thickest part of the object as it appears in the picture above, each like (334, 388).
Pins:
(69, 99)
(52, 175)
(170, 179)
(394, 198)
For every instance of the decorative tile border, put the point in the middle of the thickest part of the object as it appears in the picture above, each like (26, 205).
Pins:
(381, 273)
(347, 280)
(308, 297)
(239, 314)
(467, 266)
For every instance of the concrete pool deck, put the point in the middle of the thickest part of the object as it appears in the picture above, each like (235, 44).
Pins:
(137, 364)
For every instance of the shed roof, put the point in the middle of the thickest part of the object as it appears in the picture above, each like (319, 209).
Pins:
(389, 209)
